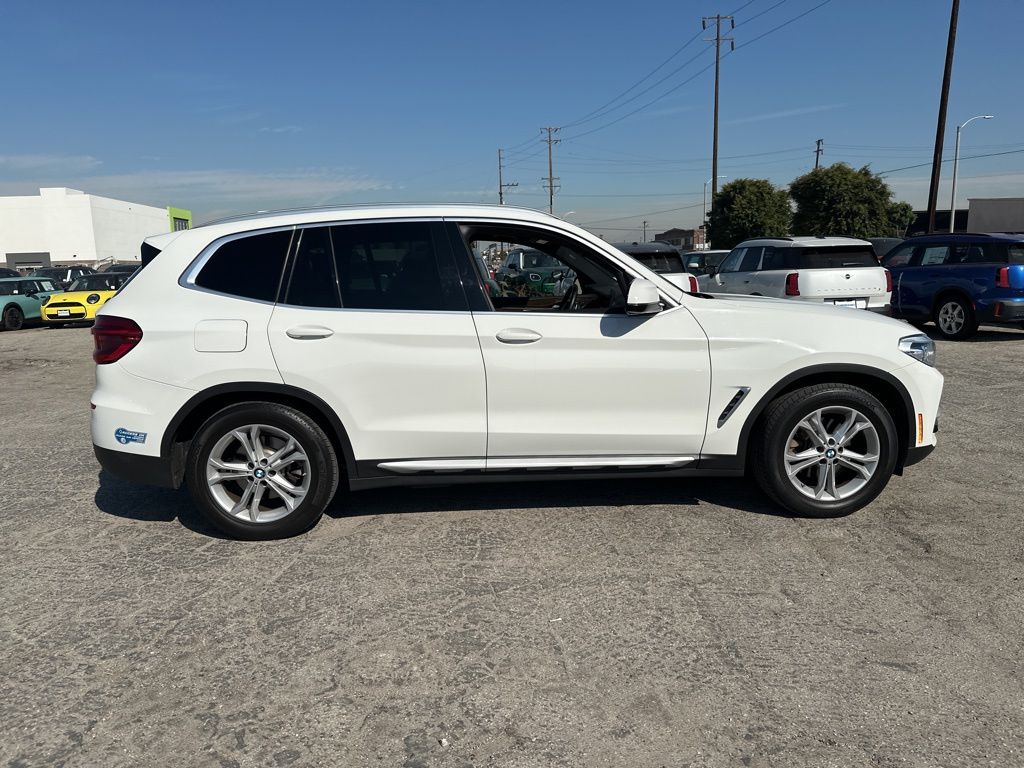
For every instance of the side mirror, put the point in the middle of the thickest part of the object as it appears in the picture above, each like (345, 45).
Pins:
(513, 267)
(711, 271)
(643, 298)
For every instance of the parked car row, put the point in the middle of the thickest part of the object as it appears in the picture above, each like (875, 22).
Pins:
(44, 299)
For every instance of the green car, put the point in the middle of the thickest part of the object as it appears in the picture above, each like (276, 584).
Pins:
(21, 298)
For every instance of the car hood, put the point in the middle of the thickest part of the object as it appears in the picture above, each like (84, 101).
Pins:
(805, 309)
(81, 296)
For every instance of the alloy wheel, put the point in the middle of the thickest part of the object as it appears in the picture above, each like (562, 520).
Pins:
(952, 318)
(832, 453)
(258, 473)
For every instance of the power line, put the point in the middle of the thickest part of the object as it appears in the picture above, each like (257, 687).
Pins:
(718, 66)
(949, 160)
(645, 213)
(753, 40)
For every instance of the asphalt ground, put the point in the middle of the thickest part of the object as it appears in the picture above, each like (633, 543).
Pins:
(608, 623)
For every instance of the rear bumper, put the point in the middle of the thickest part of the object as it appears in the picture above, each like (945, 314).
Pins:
(148, 470)
(1008, 311)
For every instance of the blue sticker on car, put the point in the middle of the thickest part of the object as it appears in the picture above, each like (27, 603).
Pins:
(125, 436)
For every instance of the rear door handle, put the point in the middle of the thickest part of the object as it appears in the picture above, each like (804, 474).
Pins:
(518, 336)
(309, 332)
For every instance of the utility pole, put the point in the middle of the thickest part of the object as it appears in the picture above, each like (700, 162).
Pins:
(645, 231)
(551, 186)
(501, 185)
(817, 153)
(940, 128)
(718, 40)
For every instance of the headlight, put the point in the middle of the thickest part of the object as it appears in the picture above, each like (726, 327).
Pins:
(46, 299)
(93, 298)
(919, 347)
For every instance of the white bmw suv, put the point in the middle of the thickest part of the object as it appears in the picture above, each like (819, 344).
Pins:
(265, 361)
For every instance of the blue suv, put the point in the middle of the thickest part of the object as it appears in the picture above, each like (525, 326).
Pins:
(958, 281)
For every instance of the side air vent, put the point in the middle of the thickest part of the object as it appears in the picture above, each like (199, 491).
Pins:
(741, 393)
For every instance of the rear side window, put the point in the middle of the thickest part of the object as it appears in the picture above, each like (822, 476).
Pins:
(836, 257)
(248, 267)
(1016, 253)
(899, 257)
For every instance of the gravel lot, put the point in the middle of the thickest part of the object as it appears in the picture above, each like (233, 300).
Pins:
(631, 623)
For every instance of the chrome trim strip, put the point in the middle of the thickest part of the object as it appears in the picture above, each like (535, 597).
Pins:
(588, 462)
(432, 465)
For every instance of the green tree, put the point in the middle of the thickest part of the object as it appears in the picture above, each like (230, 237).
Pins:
(839, 200)
(747, 208)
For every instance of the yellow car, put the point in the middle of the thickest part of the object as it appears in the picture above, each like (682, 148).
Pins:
(82, 298)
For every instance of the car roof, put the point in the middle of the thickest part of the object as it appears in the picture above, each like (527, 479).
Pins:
(705, 252)
(645, 248)
(803, 240)
(1013, 237)
(322, 215)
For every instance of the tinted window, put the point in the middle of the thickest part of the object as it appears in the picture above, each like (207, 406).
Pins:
(8, 289)
(313, 281)
(104, 282)
(899, 257)
(774, 258)
(249, 267)
(393, 266)
(836, 257)
(751, 259)
(977, 253)
(1017, 254)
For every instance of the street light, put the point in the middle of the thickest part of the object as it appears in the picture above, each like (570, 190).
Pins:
(956, 164)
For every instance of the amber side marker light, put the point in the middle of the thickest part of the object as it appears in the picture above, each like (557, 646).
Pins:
(920, 428)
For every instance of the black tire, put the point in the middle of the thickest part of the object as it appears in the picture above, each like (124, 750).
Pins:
(955, 304)
(13, 319)
(321, 467)
(780, 420)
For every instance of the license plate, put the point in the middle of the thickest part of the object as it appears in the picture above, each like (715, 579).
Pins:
(854, 303)
(63, 313)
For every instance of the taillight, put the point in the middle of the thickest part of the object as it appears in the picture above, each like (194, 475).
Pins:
(694, 287)
(793, 284)
(888, 281)
(1003, 278)
(115, 337)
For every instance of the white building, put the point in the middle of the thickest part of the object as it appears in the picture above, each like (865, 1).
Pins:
(65, 226)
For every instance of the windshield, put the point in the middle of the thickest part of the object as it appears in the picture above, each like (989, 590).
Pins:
(107, 282)
(539, 260)
(661, 263)
(834, 257)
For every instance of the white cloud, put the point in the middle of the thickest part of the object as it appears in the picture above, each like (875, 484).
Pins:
(785, 113)
(48, 163)
(282, 129)
(214, 191)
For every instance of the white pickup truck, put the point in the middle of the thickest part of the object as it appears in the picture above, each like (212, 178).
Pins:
(832, 270)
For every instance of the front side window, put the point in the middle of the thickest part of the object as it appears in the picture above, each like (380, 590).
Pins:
(731, 262)
(900, 257)
(565, 276)
(248, 267)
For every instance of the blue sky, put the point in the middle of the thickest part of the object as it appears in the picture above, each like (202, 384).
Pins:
(228, 107)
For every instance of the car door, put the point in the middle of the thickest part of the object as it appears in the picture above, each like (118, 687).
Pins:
(898, 261)
(372, 319)
(725, 278)
(574, 381)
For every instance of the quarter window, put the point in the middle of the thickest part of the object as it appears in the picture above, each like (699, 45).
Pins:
(248, 267)
(1016, 255)
(900, 257)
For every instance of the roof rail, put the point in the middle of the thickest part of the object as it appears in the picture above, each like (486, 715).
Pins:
(947, 234)
(349, 206)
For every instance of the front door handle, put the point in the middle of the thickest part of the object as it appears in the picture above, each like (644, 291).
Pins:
(518, 336)
(309, 332)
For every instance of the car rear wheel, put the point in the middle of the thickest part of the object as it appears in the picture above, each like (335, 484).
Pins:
(262, 471)
(954, 317)
(13, 319)
(825, 450)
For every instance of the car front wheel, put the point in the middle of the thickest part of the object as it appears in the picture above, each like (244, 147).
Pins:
(262, 471)
(825, 450)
